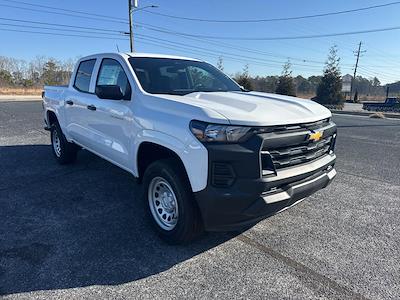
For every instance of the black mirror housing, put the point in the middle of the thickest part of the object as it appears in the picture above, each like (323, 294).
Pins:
(111, 92)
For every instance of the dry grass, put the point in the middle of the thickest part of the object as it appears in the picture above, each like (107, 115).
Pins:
(306, 96)
(11, 91)
(377, 115)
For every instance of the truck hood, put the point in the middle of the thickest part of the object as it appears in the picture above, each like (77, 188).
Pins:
(255, 108)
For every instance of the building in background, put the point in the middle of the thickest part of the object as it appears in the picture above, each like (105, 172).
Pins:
(346, 85)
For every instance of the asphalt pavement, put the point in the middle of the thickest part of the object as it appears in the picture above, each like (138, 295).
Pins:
(78, 231)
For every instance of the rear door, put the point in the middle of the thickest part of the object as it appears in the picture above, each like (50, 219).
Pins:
(114, 126)
(77, 101)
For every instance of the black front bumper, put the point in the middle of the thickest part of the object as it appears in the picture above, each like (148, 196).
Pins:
(251, 200)
(239, 195)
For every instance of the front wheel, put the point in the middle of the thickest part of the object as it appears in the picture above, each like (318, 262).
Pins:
(171, 205)
(63, 151)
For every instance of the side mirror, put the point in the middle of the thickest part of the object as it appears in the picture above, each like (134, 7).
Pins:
(112, 92)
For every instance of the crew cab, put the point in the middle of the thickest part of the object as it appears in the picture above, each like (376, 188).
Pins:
(210, 155)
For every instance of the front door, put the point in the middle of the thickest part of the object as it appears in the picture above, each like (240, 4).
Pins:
(113, 123)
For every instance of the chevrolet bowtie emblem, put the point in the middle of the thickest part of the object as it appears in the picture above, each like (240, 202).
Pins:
(315, 136)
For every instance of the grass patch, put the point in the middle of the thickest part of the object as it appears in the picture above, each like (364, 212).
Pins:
(377, 115)
(12, 91)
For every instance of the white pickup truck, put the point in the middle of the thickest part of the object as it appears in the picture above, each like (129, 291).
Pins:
(209, 154)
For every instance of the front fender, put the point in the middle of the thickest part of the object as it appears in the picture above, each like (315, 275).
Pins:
(194, 155)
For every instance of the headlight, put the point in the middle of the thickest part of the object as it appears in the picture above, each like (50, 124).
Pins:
(206, 132)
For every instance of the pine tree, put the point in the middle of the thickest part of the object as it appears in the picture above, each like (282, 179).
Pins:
(329, 90)
(220, 64)
(244, 79)
(285, 83)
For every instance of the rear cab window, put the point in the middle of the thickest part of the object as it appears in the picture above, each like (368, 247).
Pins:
(83, 75)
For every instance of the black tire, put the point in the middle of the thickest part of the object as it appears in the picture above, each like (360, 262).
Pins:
(189, 223)
(66, 152)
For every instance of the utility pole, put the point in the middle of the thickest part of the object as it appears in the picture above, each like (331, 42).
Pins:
(131, 4)
(133, 7)
(357, 54)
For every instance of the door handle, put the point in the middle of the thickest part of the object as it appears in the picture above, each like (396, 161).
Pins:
(91, 107)
(116, 117)
(69, 102)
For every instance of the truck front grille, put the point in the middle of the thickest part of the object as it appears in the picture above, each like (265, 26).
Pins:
(293, 155)
(291, 145)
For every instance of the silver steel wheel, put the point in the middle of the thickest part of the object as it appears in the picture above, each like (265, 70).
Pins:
(163, 203)
(56, 143)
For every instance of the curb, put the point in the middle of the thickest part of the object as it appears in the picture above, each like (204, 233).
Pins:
(367, 114)
(4, 98)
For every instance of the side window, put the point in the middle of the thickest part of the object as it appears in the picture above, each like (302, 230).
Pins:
(83, 75)
(112, 73)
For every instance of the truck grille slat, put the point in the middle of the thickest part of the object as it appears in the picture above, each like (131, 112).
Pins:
(292, 146)
(290, 160)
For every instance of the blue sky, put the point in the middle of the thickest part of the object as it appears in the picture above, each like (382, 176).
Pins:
(382, 58)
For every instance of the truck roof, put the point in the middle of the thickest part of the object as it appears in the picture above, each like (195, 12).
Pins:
(135, 54)
(155, 55)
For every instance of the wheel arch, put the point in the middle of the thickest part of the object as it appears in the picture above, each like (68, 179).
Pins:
(192, 156)
(51, 117)
(149, 152)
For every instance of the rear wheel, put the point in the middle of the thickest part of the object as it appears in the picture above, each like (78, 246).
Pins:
(171, 206)
(63, 151)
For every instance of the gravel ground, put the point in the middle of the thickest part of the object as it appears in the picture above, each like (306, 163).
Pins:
(78, 232)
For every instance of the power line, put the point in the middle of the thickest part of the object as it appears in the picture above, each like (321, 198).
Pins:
(62, 34)
(62, 9)
(150, 27)
(62, 25)
(120, 32)
(237, 48)
(275, 19)
(64, 14)
(280, 37)
(60, 29)
(230, 38)
(367, 74)
(201, 53)
(258, 60)
(226, 54)
(156, 43)
(225, 45)
(388, 73)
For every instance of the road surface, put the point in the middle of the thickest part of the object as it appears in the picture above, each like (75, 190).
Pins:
(78, 232)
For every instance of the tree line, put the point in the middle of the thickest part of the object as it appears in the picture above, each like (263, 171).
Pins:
(34, 73)
(325, 88)
(49, 71)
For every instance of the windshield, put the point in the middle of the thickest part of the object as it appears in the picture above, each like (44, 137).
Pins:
(179, 77)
